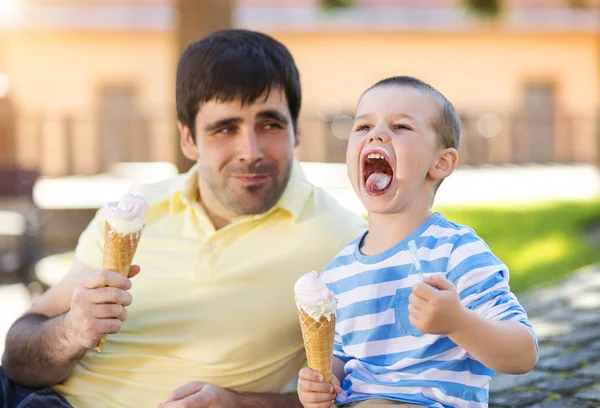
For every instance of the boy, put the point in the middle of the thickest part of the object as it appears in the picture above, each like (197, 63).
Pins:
(401, 341)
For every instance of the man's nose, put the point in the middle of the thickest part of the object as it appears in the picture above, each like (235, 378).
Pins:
(249, 147)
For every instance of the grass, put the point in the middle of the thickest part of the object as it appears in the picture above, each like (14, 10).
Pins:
(540, 243)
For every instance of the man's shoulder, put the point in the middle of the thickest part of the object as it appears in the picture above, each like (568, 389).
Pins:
(327, 209)
(332, 224)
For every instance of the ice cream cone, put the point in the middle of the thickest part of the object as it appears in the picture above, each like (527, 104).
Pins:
(318, 342)
(119, 250)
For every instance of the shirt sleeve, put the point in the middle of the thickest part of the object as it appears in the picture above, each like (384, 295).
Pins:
(481, 281)
(90, 246)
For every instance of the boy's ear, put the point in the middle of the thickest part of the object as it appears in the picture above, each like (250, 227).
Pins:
(445, 164)
(188, 146)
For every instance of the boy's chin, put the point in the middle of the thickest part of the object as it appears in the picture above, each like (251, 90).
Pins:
(379, 204)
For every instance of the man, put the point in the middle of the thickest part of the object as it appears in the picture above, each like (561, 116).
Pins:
(210, 320)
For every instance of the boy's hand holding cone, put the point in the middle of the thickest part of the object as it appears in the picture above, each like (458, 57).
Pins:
(316, 306)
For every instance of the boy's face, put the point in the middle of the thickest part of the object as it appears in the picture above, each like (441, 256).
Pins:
(392, 147)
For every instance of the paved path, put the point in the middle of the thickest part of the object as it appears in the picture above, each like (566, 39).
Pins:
(566, 318)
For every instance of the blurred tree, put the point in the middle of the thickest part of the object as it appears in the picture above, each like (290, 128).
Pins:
(486, 9)
(196, 19)
(582, 4)
(336, 4)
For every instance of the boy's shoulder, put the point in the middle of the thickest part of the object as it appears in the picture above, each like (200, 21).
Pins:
(448, 232)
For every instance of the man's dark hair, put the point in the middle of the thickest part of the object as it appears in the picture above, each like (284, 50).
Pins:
(231, 64)
(447, 124)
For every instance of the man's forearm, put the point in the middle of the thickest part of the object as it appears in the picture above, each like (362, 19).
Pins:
(248, 400)
(504, 346)
(39, 352)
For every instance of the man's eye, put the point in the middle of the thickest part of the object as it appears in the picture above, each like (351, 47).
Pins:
(227, 130)
(273, 126)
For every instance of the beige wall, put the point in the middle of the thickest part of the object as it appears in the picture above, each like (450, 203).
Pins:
(58, 73)
(63, 72)
(477, 72)
(472, 70)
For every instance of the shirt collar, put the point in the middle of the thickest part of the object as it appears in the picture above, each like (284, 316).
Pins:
(293, 200)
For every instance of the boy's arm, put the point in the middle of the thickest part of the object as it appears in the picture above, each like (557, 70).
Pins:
(506, 346)
(474, 307)
(338, 369)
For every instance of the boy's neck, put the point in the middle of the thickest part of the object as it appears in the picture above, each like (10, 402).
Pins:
(386, 230)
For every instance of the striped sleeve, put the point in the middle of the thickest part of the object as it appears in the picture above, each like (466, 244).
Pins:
(481, 280)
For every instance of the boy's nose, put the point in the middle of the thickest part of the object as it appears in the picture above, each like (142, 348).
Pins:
(378, 135)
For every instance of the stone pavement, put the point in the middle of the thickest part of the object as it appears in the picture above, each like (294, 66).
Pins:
(566, 318)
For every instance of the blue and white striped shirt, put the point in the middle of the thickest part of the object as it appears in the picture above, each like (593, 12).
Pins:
(384, 355)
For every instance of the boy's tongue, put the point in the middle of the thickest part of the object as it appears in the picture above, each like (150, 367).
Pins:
(378, 182)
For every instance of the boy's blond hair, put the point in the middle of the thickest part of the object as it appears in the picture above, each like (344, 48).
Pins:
(447, 124)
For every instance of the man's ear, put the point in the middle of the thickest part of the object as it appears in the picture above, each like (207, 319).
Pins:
(188, 146)
(446, 162)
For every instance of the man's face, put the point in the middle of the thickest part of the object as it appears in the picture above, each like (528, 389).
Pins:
(245, 153)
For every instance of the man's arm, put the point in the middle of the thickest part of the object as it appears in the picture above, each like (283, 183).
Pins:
(198, 394)
(268, 401)
(39, 352)
(43, 346)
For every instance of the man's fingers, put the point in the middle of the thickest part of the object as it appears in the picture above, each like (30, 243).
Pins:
(186, 390)
(99, 279)
(198, 400)
(105, 326)
(134, 270)
(110, 311)
(310, 375)
(109, 295)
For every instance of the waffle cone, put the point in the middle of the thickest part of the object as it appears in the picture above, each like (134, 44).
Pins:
(318, 342)
(119, 250)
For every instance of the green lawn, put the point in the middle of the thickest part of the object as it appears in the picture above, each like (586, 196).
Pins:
(540, 243)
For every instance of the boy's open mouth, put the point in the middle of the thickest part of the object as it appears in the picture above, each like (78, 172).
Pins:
(377, 173)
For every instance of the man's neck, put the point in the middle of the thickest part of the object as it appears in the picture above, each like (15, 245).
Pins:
(217, 220)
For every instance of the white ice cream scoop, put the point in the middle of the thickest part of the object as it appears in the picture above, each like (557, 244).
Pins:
(313, 296)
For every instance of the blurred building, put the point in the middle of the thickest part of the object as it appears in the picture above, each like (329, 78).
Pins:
(87, 83)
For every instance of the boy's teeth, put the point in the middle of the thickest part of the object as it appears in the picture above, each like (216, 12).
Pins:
(375, 156)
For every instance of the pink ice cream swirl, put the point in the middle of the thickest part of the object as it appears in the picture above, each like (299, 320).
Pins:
(127, 215)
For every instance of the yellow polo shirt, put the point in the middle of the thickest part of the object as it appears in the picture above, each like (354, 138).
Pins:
(213, 306)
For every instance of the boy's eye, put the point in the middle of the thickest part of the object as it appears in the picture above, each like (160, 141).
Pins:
(363, 128)
(401, 126)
